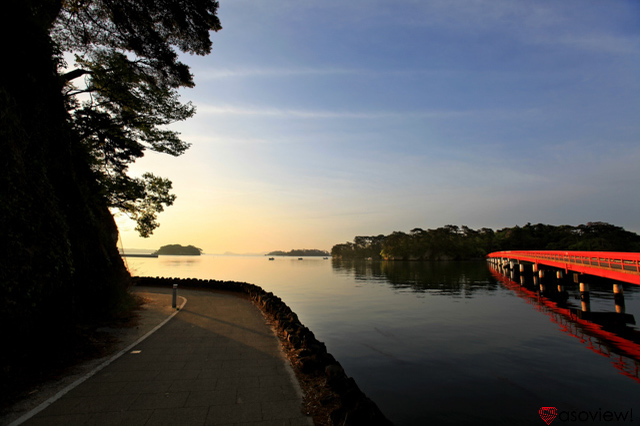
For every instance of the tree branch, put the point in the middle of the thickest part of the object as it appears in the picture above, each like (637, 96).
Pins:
(72, 75)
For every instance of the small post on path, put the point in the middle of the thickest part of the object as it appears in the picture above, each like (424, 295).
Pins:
(175, 296)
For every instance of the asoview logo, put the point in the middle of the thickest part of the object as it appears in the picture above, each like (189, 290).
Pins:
(549, 414)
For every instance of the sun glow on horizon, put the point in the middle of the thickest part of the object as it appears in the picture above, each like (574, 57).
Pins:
(449, 114)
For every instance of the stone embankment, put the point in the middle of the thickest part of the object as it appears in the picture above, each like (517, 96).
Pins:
(333, 392)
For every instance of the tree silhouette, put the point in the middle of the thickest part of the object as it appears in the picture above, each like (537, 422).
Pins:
(453, 242)
(65, 152)
(126, 53)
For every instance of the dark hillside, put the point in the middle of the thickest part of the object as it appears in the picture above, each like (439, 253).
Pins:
(60, 267)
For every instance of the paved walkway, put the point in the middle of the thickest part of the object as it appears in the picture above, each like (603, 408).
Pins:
(215, 363)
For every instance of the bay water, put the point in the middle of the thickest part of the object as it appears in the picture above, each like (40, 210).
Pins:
(452, 343)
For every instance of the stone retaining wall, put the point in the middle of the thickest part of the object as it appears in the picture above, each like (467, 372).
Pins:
(354, 408)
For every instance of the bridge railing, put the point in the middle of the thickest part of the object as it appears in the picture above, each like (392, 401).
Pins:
(621, 261)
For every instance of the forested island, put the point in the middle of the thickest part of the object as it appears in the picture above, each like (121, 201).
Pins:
(178, 250)
(299, 252)
(453, 242)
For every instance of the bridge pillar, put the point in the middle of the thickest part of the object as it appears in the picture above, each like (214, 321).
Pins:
(559, 275)
(521, 279)
(584, 297)
(535, 268)
(541, 273)
(560, 288)
(618, 297)
(521, 268)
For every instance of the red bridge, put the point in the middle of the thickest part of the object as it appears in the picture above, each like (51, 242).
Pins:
(608, 264)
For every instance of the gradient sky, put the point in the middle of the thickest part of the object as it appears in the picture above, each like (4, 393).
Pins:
(321, 120)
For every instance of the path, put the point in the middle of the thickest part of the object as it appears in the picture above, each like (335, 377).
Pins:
(216, 362)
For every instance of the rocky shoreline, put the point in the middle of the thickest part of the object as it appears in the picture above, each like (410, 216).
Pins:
(331, 397)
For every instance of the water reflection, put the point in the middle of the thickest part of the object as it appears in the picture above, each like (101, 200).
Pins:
(444, 278)
(179, 261)
(605, 333)
(426, 358)
(605, 330)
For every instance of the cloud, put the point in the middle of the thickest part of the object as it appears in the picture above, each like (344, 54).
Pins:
(211, 74)
(600, 43)
(569, 24)
(292, 113)
(365, 115)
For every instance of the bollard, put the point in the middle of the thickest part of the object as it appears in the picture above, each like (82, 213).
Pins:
(175, 296)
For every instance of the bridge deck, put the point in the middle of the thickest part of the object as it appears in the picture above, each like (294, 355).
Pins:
(613, 265)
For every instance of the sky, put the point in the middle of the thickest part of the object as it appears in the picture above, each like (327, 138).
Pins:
(321, 120)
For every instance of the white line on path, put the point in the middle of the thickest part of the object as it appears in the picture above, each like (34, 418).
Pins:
(60, 394)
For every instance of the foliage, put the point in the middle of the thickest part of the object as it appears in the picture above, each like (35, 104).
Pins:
(65, 155)
(177, 249)
(453, 242)
(126, 53)
(152, 195)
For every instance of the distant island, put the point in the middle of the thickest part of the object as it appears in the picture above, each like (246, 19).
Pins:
(178, 250)
(299, 252)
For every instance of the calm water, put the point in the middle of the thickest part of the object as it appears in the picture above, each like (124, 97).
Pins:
(449, 342)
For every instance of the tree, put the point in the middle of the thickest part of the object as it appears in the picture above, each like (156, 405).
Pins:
(126, 53)
(65, 155)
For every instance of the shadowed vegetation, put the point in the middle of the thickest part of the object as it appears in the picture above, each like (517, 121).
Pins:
(67, 136)
(459, 243)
